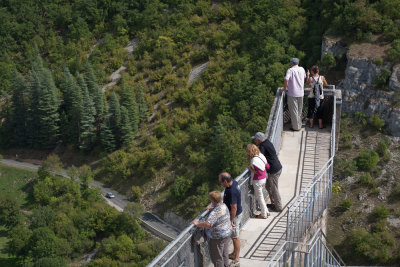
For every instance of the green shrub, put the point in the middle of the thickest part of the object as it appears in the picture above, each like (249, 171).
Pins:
(375, 191)
(328, 60)
(382, 78)
(378, 61)
(395, 194)
(336, 188)
(367, 180)
(376, 122)
(361, 118)
(394, 52)
(367, 160)
(160, 130)
(379, 213)
(382, 148)
(369, 248)
(344, 168)
(346, 140)
(345, 205)
(180, 187)
(379, 227)
(136, 193)
(117, 165)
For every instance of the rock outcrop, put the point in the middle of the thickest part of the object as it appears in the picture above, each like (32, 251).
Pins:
(357, 87)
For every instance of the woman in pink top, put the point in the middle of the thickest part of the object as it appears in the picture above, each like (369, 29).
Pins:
(259, 176)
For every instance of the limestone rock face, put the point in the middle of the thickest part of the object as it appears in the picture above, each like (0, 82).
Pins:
(360, 95)
(394, 81)
(333, 45)
(358, 92)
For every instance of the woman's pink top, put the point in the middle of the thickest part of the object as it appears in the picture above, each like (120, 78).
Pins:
(259, 174)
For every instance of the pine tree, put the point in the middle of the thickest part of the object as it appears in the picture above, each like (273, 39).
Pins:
(107, 137)
(128, 100)
(72, 107)
(48, 111)
(19, 110)
(96, 93)
(115, 117)
(43, 118)
(126, 130)
(32, 112)
(87, 118)
(141, 101)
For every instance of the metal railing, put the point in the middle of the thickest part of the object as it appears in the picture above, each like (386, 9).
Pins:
(305, 210)
(313, 253)
(180, 251)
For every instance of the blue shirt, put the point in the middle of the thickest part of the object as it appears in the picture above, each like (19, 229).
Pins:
(232, 195)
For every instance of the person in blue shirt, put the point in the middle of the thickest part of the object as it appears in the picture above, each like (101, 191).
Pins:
(233, 200)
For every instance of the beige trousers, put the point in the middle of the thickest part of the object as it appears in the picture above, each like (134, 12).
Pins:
(295, 105)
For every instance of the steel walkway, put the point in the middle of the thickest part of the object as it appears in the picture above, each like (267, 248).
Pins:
(302, 154)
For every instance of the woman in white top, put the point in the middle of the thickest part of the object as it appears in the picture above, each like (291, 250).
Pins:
(315, 108)
(257, 167)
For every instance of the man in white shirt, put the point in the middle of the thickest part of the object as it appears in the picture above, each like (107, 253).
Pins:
(294, 85)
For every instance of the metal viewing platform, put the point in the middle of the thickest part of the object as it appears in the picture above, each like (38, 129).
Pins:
(294, 236)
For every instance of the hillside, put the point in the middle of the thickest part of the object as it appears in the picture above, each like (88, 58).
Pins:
(364, 214)
(107, 83)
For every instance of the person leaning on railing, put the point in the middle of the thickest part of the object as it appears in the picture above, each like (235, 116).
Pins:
(218, 230)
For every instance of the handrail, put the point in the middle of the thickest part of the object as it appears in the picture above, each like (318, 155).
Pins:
(174, 243)
(280, 108)
(311, 245)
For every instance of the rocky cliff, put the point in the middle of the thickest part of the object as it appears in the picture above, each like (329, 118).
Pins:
(358, 91)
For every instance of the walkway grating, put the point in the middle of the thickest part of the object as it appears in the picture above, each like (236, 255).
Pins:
(302, 155)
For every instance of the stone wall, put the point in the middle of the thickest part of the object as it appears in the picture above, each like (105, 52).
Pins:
(358, 91)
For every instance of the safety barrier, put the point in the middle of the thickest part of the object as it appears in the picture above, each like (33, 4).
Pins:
(313, 253)
(313, 200)
(181, 252)
(307, 207)
(305, 210)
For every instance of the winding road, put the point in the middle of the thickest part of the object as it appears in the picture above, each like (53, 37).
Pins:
(150, 222)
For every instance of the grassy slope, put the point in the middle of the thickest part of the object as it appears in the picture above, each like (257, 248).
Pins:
(15, 182)
(364, 198)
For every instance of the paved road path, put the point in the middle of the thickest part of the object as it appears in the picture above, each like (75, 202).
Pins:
(151, 222)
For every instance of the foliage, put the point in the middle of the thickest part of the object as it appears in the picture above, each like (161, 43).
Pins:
(381, 80)
(181, 187)
(377, 122)
(361, 118)
(336, 188)
(57, 233)
(345, 205)
(117, 165)
(367, 180)
(369, 248)
(395, 194)
(394, 52)
(344, 168)
(379, 213)
(50, 166)
(378, 61)
(367, 160)
(346, 139)
(136, 193)
(328, 60)
(382, 147)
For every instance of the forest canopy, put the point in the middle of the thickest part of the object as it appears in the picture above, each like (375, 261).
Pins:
(153, 125)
